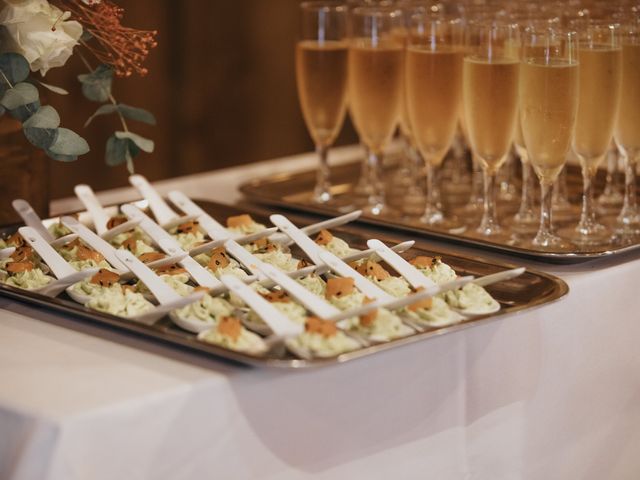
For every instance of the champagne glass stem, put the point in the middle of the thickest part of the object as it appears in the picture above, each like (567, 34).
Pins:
(629, 212)
(489, 223)
(375, 194)
(322, 190)
(560, 195)
(476, 182)
(525, 212)
(545, 236)
(588, 215)
(432, 213)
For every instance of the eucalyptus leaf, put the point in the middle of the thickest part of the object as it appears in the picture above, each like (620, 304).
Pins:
(41, 137)
(144, 144)
(24, 112)
(69, 143)
(45, 117)
(102, 110)
(137, 114)
(53, 88)
(96, 86)
(117, 151)
(14, 67)
(61, 158)
(21, 94)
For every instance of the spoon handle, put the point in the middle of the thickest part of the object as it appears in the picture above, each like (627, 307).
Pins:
(316, 227)
(31, 218)
(94, 207)
(94, 241)
(170, 246)
(117, 230)
(411, 274)
(280, 324)
(307, 245)
(499, 277)
(309, 300)
(57, 264)
(363, 284)
(159, 207)
(163, 292)
(210, 225)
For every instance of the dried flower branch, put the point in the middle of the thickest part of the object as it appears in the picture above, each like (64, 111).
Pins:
(123, 48)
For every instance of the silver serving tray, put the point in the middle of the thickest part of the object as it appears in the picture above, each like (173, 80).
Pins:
(292, 191)
(530, 290)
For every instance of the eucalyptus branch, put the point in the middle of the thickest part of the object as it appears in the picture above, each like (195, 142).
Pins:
(109, 94)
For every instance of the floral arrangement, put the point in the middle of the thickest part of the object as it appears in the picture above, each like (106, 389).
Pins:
(37, 35)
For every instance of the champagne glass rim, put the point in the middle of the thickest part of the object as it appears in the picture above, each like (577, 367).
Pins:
(324, 5)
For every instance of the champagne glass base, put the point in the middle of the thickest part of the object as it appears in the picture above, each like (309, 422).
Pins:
(546, 243)
(592, 234)
(322, 197)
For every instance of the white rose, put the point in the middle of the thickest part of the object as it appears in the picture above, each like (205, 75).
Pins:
(29, 26)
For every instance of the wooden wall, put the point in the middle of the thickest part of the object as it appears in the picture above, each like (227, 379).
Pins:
(221, 84)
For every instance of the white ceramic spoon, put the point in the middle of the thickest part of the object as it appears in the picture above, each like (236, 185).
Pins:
(397, 303)
(170, 246)
(96, 242)
(99, 215)
(279, 323)
(322, 256)
(215, 230)
(58, 265)
(168, 298)
(159, 207)
(310, 301)
(108, 251)
(316, 227)
(31, 219)
(205, 247)
(485, 281)
(165, 216)
(88, 198)
(410, 273)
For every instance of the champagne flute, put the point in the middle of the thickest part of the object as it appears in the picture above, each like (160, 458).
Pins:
(627, 131)
(599, 80)
(433, 86)
(525, 220)
(321, 77)
(376, 60)
(472, 12)
(548, 108)
(490, 96)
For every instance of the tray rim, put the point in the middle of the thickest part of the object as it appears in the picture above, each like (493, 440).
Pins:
(251, 189)
(160, 333)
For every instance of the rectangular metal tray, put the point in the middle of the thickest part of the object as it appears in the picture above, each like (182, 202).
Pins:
(531, 289)
(293, 192)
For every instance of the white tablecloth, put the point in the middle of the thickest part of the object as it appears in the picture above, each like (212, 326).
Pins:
(552, 393)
